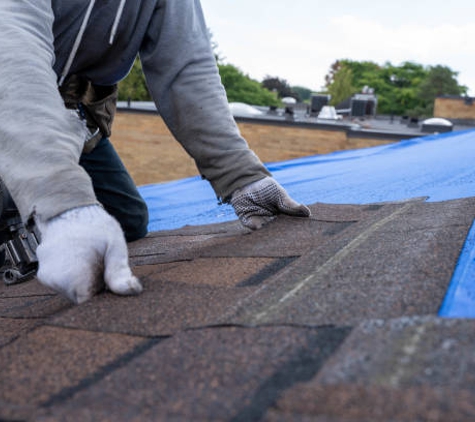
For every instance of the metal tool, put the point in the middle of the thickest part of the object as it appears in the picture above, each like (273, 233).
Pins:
(18, 242)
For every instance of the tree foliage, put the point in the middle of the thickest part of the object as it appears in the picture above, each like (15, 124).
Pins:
(304, 94)
(440, 80)
(241, 88)
(134, 87)
(341, 86)
(407, 89)
(280, 86)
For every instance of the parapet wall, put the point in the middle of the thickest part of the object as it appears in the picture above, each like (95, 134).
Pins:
(455, 108)
(152, 155)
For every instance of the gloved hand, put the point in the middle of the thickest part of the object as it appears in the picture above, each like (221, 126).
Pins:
(80, 250)
(259, 202)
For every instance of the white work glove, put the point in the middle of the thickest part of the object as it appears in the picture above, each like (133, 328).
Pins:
(259, 202)
(80, 250)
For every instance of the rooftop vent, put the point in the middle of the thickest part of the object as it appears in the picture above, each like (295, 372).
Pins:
(363, 105)
(328, 112)
(436, 125)
(317, 103)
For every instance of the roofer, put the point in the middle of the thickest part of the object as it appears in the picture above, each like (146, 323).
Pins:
(61, 61)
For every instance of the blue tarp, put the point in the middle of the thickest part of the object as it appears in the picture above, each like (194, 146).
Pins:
(440, 167)
(460, 298)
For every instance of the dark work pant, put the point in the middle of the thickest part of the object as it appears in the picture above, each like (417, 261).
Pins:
(116, 190)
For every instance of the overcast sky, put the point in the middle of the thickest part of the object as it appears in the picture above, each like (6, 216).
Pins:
(298, 40)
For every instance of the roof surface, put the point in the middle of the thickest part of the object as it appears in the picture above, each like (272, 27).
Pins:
(332, 318)
(439, 167)
(436, 168)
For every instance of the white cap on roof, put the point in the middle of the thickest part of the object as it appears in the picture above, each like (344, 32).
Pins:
(439, 121)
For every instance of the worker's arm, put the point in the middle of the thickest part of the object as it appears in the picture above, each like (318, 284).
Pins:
(183, 78)
(40, 142)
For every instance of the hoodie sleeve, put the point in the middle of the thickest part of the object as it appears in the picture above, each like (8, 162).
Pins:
(40, 140)
(183, 79)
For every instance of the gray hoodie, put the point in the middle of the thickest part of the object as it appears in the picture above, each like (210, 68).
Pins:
(44, 41)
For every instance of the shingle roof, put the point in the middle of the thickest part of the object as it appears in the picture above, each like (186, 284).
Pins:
(332, 318)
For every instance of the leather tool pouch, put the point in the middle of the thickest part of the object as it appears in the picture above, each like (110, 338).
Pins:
(96, 104)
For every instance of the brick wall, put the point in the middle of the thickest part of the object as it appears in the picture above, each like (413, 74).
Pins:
(148, 149)
(152, 155)
(454, 108)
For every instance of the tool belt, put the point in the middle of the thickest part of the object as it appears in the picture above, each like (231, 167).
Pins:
(94, 103)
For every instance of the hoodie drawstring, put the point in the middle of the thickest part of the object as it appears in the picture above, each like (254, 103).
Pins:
(116, 21)
(78, 40)
(80, 35)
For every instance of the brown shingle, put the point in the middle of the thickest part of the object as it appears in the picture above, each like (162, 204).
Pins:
(332, 318)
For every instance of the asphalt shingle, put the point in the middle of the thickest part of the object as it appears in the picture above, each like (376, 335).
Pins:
(212, 374)
(332, 318)
(407, 369)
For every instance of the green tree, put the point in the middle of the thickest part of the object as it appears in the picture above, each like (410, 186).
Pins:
(330, 76)
(407, 89)
(304, 93)
(398, 93)
(241, 88)
(440, 80)
(364, 73)
(281, 86)
(134, 87)
(341, 86)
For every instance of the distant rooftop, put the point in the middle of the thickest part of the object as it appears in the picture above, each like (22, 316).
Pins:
(391, 127)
